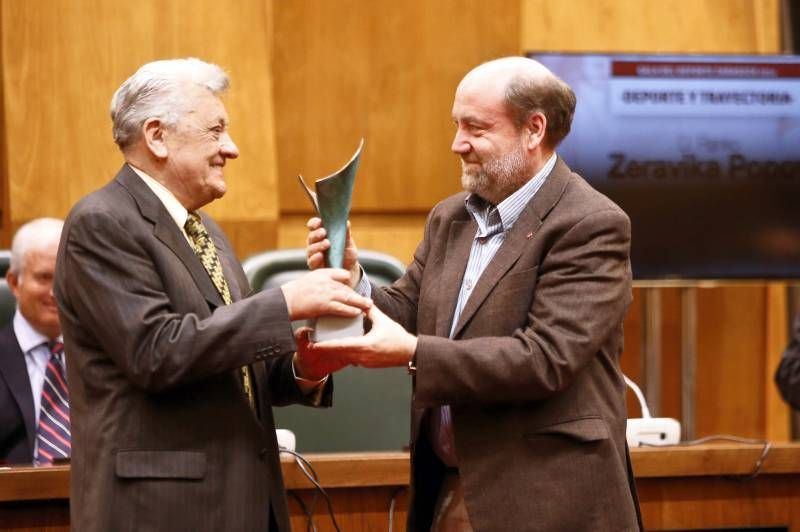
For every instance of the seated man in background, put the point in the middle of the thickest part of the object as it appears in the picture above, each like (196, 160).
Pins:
(34, 402)
(788, 375)
(514, 305)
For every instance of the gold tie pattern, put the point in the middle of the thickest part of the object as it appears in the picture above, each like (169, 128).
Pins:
(207, 253)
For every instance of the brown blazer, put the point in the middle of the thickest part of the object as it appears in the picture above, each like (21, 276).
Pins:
(532, 373)
(163, 436)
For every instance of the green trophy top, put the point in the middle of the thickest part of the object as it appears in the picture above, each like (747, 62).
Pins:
(332, 201)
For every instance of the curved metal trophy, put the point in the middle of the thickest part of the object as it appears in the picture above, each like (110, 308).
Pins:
(332, 203)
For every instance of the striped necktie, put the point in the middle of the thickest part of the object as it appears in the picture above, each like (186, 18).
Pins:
(53, 434)
(207, 253)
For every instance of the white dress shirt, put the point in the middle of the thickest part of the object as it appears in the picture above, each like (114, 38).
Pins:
(37, 355)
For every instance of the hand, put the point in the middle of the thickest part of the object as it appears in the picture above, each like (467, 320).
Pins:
(310, 364)
(387, 344)
(323, 293)
(317, 244)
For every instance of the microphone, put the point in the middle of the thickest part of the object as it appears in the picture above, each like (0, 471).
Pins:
(286, 439)
(647, 430)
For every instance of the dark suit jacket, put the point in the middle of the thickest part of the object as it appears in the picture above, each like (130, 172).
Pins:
(788, 375)
(532, 374)
(163, 435)
(17, 416)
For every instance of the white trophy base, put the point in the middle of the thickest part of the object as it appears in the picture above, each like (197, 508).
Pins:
(335, 327)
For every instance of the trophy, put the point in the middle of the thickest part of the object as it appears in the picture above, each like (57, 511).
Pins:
(332, 203)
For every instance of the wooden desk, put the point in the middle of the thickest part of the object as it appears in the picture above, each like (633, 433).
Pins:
(709, 487)
(681, 488)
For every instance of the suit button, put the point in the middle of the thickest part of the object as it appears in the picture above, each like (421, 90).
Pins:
(262, 454)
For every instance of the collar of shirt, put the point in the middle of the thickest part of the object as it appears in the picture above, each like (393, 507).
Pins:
(486, 215)
(28, 337)
(176, 211)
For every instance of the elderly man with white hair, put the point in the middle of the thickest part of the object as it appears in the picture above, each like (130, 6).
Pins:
(174, 366)
(34, 400)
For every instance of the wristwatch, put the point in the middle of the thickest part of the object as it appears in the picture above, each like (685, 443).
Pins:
(412, 365)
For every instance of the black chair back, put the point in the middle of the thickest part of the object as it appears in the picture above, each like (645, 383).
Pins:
(8, 303)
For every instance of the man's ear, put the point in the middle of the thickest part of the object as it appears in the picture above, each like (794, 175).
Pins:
(154, 134)
(535, 130)
(13, 282)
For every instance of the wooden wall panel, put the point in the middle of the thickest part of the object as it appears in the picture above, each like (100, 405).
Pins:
(5, 218)
(671, 356)
(725, 26)
(730, 366)
(62, 61)
(776, 416)
(385, 71)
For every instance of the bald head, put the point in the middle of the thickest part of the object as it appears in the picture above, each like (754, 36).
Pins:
(502, 71)
(525, 87)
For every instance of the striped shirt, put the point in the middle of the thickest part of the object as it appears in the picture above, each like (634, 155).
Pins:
(493, 224)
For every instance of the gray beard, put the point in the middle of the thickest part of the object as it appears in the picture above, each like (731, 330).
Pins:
(497, 178)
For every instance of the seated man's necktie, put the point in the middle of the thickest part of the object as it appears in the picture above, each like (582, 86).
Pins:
(53, 436)
(207, 253)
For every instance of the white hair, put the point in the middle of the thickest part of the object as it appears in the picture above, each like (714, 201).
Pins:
(156, 90)
(37, 235)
